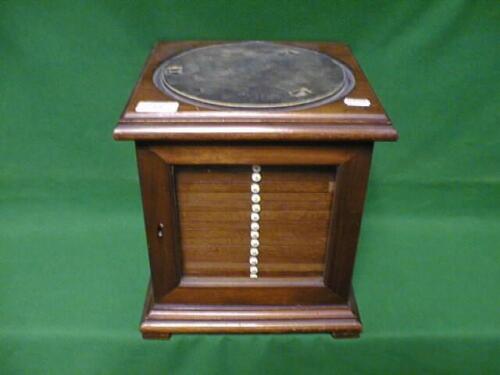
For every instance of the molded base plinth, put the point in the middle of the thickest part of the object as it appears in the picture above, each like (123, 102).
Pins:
(161, 320)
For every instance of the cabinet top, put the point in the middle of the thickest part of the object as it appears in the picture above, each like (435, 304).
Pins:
(253, 91)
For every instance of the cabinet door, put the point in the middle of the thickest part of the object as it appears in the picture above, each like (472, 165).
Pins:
(199, 212)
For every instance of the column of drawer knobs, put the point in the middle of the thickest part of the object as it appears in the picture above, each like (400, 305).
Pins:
(254, 225)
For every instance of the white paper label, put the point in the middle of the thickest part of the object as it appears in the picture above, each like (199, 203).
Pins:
(357, 102)
(159, 107)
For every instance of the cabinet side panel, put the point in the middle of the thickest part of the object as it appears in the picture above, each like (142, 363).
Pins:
(352, 182)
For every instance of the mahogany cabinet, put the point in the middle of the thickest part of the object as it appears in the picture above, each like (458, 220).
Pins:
(253, 160)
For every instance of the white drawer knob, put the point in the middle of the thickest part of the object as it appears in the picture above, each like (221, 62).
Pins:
(255, 188)
(254, 269)
(256, 207)
(254, 216)
(254, 234)
(253, 261)
(256, 177)
(255, 198)
(254, 226)
(254, 276)
(254, 243)
(254, 251)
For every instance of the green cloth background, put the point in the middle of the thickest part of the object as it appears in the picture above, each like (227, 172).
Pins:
(73, 265)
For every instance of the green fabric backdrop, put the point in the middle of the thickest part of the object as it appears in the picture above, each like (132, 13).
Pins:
(73, 266)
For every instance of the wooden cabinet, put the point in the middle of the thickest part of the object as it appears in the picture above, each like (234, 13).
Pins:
(252, 214)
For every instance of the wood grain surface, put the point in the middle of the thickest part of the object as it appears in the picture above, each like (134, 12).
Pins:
(214, 216)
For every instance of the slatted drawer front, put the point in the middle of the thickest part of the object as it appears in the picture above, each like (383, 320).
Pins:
(216, 232)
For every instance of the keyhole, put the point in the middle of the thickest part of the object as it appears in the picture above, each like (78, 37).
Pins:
(159, 231)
